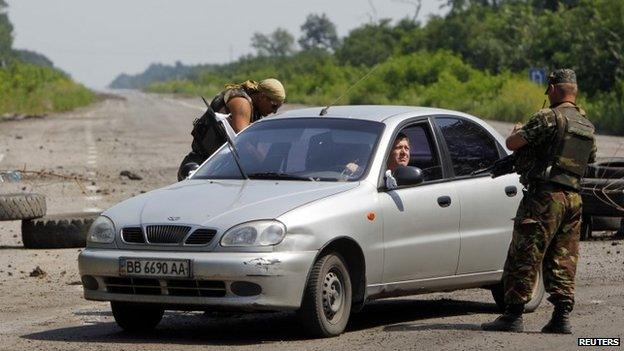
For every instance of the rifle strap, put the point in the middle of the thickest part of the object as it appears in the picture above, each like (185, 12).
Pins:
(561, 124)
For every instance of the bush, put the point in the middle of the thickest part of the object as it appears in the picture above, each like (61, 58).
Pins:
(31, 89)
(439, 79)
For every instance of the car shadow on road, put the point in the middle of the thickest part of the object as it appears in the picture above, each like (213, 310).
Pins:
(247, 329)
(406, 312)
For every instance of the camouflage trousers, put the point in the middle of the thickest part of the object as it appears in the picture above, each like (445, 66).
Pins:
(546, 235)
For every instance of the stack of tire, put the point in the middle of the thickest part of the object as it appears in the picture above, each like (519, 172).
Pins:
(45, 232)
(602, 190)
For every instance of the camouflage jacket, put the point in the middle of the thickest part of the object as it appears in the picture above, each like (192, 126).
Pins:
(540, 133)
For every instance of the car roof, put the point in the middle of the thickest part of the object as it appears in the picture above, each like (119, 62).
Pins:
(377, 113)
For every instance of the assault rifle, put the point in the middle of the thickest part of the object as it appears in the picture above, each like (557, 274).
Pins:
(501, 167)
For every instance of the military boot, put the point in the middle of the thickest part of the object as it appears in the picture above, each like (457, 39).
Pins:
(560, 321)
(511, 320)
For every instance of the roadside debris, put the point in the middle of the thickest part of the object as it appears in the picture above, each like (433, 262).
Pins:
(18, 175)
(19, 117)
(38, 273)
(10, 176)
(130, 175)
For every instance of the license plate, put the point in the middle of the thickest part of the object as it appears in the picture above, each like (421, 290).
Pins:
(150, 267)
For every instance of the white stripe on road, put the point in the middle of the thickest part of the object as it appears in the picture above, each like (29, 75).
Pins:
(1, 157)
(92, 156)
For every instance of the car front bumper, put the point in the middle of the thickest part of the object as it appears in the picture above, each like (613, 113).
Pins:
(281, 277)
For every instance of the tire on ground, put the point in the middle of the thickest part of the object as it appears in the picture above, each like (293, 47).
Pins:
(606, 168)
(21, 206)
(538, 294)
(57, 231)
(602, 197)
(326, 305)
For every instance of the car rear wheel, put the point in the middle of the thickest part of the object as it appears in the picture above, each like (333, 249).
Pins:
(498, 294)
(136, 317)
(327, 298)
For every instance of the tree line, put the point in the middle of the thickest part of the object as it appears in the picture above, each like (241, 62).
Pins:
(481, 42)
(29, 82)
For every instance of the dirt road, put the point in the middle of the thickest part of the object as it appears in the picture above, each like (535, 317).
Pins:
(148, 135)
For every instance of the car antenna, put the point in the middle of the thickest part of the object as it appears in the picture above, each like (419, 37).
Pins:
(324, 110)
(230, 143)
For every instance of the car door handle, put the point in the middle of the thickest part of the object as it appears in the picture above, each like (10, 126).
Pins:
(511, 190)
(444, 201)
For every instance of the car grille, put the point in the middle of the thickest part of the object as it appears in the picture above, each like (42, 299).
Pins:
(201, 237)
(166, 234)
(132, 235)
(173, 287)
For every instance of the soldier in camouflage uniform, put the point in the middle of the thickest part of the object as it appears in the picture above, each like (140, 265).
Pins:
(556, 145)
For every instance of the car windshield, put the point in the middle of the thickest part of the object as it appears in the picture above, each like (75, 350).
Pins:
(323, 149)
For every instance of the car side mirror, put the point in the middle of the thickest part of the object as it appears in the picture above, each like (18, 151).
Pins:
(407, 175)
(189, 169)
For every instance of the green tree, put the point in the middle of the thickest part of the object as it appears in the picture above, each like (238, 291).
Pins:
(462, 5)
(6, 35)
(368, 45)
(280, 43)
(318, 33)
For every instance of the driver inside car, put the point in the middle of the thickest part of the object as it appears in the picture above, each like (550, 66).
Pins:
(399, 156)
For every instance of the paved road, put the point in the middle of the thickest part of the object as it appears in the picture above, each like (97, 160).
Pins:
(148, 134)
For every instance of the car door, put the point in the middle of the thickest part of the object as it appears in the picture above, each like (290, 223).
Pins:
(421, 223)
(488, 205)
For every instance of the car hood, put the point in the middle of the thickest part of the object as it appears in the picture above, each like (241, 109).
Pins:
(222, 202)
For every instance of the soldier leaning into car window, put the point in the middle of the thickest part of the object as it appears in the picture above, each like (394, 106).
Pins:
(246, 103)
(547, 224)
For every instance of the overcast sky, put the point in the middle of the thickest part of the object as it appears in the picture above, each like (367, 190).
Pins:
(95, 40)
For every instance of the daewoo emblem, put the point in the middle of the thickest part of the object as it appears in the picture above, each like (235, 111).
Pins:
(172, 218)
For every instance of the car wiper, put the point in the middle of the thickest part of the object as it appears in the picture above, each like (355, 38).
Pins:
(276, 175)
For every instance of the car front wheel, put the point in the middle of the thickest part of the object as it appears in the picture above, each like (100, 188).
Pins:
(136, 318)
(327, 298)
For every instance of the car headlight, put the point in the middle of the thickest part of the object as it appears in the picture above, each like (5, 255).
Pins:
(257, 233)
(102, 231)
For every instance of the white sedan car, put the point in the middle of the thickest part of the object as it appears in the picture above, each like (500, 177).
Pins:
(296, 226)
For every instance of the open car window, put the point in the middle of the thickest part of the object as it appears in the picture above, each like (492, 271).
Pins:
(324, 149)
(423, 152)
